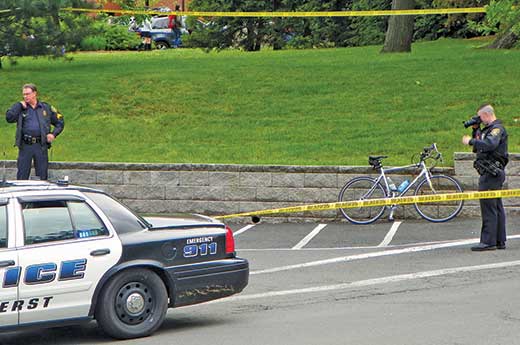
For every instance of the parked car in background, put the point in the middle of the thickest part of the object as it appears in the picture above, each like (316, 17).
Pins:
(162, 35)
(165, 38)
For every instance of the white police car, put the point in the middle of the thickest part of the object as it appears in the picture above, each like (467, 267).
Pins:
(70, 254)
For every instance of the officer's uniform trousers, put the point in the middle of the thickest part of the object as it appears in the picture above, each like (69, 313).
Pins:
(493, 214)
(26, 154)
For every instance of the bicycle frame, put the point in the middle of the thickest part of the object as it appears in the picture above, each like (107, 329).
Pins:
(425, 173)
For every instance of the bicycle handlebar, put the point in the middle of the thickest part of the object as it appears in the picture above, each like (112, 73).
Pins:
(431, 152)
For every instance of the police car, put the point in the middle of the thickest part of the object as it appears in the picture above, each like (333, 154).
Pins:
(70, 254)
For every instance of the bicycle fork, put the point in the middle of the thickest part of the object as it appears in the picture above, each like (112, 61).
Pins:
(392, 208)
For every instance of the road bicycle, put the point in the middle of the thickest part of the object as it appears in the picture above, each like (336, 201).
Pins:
(366, 187)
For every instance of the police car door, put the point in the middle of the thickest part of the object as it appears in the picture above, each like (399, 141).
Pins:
(67, 247)
(8, 267)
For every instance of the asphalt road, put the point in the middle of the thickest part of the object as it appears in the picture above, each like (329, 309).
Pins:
(409, 282)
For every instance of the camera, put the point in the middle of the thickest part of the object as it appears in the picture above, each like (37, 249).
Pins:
(475, 120)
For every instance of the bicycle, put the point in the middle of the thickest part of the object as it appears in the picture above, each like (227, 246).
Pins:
(365, 187)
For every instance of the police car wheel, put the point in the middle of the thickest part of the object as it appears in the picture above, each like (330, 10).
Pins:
(132, 304)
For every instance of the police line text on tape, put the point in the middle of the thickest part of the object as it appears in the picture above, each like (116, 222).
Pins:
(510, 193)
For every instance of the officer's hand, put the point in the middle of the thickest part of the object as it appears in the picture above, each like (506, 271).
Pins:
(24, 105)
(50, 137)
(466, 139)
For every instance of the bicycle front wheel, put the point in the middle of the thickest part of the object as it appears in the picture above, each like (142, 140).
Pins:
(362, 188)
(443, 211)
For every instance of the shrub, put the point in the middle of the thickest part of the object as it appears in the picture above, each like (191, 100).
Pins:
(119, 38)
(75, 28)
(108, 36)
(96, 42)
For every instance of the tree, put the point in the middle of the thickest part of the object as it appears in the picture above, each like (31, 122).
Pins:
(252, 33)
(502, 18)
(434, 26)
(223, 32)
(32, 28)
(400, 29)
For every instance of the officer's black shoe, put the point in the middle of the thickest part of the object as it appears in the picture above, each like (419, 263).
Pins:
(482, 247)
(501, 245)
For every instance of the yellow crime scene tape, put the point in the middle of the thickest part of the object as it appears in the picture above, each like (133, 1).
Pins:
(291, 14)
(406, 200)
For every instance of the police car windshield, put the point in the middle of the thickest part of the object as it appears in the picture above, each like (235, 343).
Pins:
(123, 220)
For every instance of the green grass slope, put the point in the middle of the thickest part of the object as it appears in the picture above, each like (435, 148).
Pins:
(309, 107)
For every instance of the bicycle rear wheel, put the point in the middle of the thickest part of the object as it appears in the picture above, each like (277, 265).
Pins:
(443, 211)
(362, 188)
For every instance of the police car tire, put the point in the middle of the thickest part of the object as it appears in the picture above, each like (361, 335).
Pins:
(110, 313)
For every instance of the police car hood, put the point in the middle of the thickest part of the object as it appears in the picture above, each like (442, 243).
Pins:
(182, 221)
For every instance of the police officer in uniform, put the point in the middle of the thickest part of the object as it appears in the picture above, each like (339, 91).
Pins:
(34, 134)
(490, 145)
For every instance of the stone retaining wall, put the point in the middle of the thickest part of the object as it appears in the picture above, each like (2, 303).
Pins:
(216, 189)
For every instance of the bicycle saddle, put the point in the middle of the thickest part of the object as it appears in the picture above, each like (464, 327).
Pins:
(375, 158)
(375, 161)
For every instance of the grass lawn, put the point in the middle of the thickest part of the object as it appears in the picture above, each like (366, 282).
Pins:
(309, 107)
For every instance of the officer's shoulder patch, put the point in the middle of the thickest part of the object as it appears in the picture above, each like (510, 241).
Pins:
(59, 116)
(495, 132)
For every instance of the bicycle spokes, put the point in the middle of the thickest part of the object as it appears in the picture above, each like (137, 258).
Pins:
(439, 211)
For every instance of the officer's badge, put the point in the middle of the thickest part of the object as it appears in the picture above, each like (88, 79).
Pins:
(45, 113)
(495, 132)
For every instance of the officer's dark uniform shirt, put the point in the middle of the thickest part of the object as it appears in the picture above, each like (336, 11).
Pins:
(31, 123)
(492, 144)
(35, 122)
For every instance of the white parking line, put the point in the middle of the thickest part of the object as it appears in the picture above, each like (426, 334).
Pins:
(309, 237)
(373, 255)
(376, 281)
(390, 235)
(244, 229)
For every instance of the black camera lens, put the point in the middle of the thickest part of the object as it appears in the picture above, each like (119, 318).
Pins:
(475, 120)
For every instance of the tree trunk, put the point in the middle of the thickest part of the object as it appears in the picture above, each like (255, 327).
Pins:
(277, 30)
(400, 29)
(505, 41)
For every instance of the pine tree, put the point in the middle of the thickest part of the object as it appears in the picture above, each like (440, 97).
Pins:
(31, 27)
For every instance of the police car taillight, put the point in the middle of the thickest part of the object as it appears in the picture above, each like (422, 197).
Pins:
(230, 241)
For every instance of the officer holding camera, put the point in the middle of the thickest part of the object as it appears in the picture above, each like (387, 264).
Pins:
(490, 145)
(33, 132)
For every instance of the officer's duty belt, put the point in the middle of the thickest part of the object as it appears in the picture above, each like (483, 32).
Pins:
(29, 140)
(491, 167)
